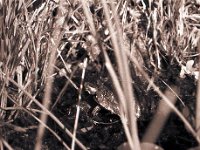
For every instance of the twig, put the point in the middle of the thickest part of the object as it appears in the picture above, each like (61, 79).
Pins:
(78, 104)
(48, 88)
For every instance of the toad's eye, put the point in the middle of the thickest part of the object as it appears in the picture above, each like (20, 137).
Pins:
(90, 88)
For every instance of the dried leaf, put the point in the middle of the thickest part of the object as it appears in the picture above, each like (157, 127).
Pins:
(189, 65)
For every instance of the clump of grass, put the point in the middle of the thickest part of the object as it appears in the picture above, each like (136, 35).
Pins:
(44, 40)
(28, 48)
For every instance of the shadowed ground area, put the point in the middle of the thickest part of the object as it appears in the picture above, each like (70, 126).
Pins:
(162, 36)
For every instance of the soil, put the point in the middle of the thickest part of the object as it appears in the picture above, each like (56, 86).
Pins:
(104, 130)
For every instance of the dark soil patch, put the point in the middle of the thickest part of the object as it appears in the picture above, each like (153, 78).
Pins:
(104, 130)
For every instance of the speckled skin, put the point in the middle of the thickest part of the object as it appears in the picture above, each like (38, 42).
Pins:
(104, 97)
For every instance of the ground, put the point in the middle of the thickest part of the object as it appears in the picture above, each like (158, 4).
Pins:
(162, 36)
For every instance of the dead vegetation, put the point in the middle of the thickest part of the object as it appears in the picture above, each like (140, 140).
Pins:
(144, 52)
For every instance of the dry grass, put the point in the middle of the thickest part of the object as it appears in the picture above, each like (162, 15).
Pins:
(42, 40)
